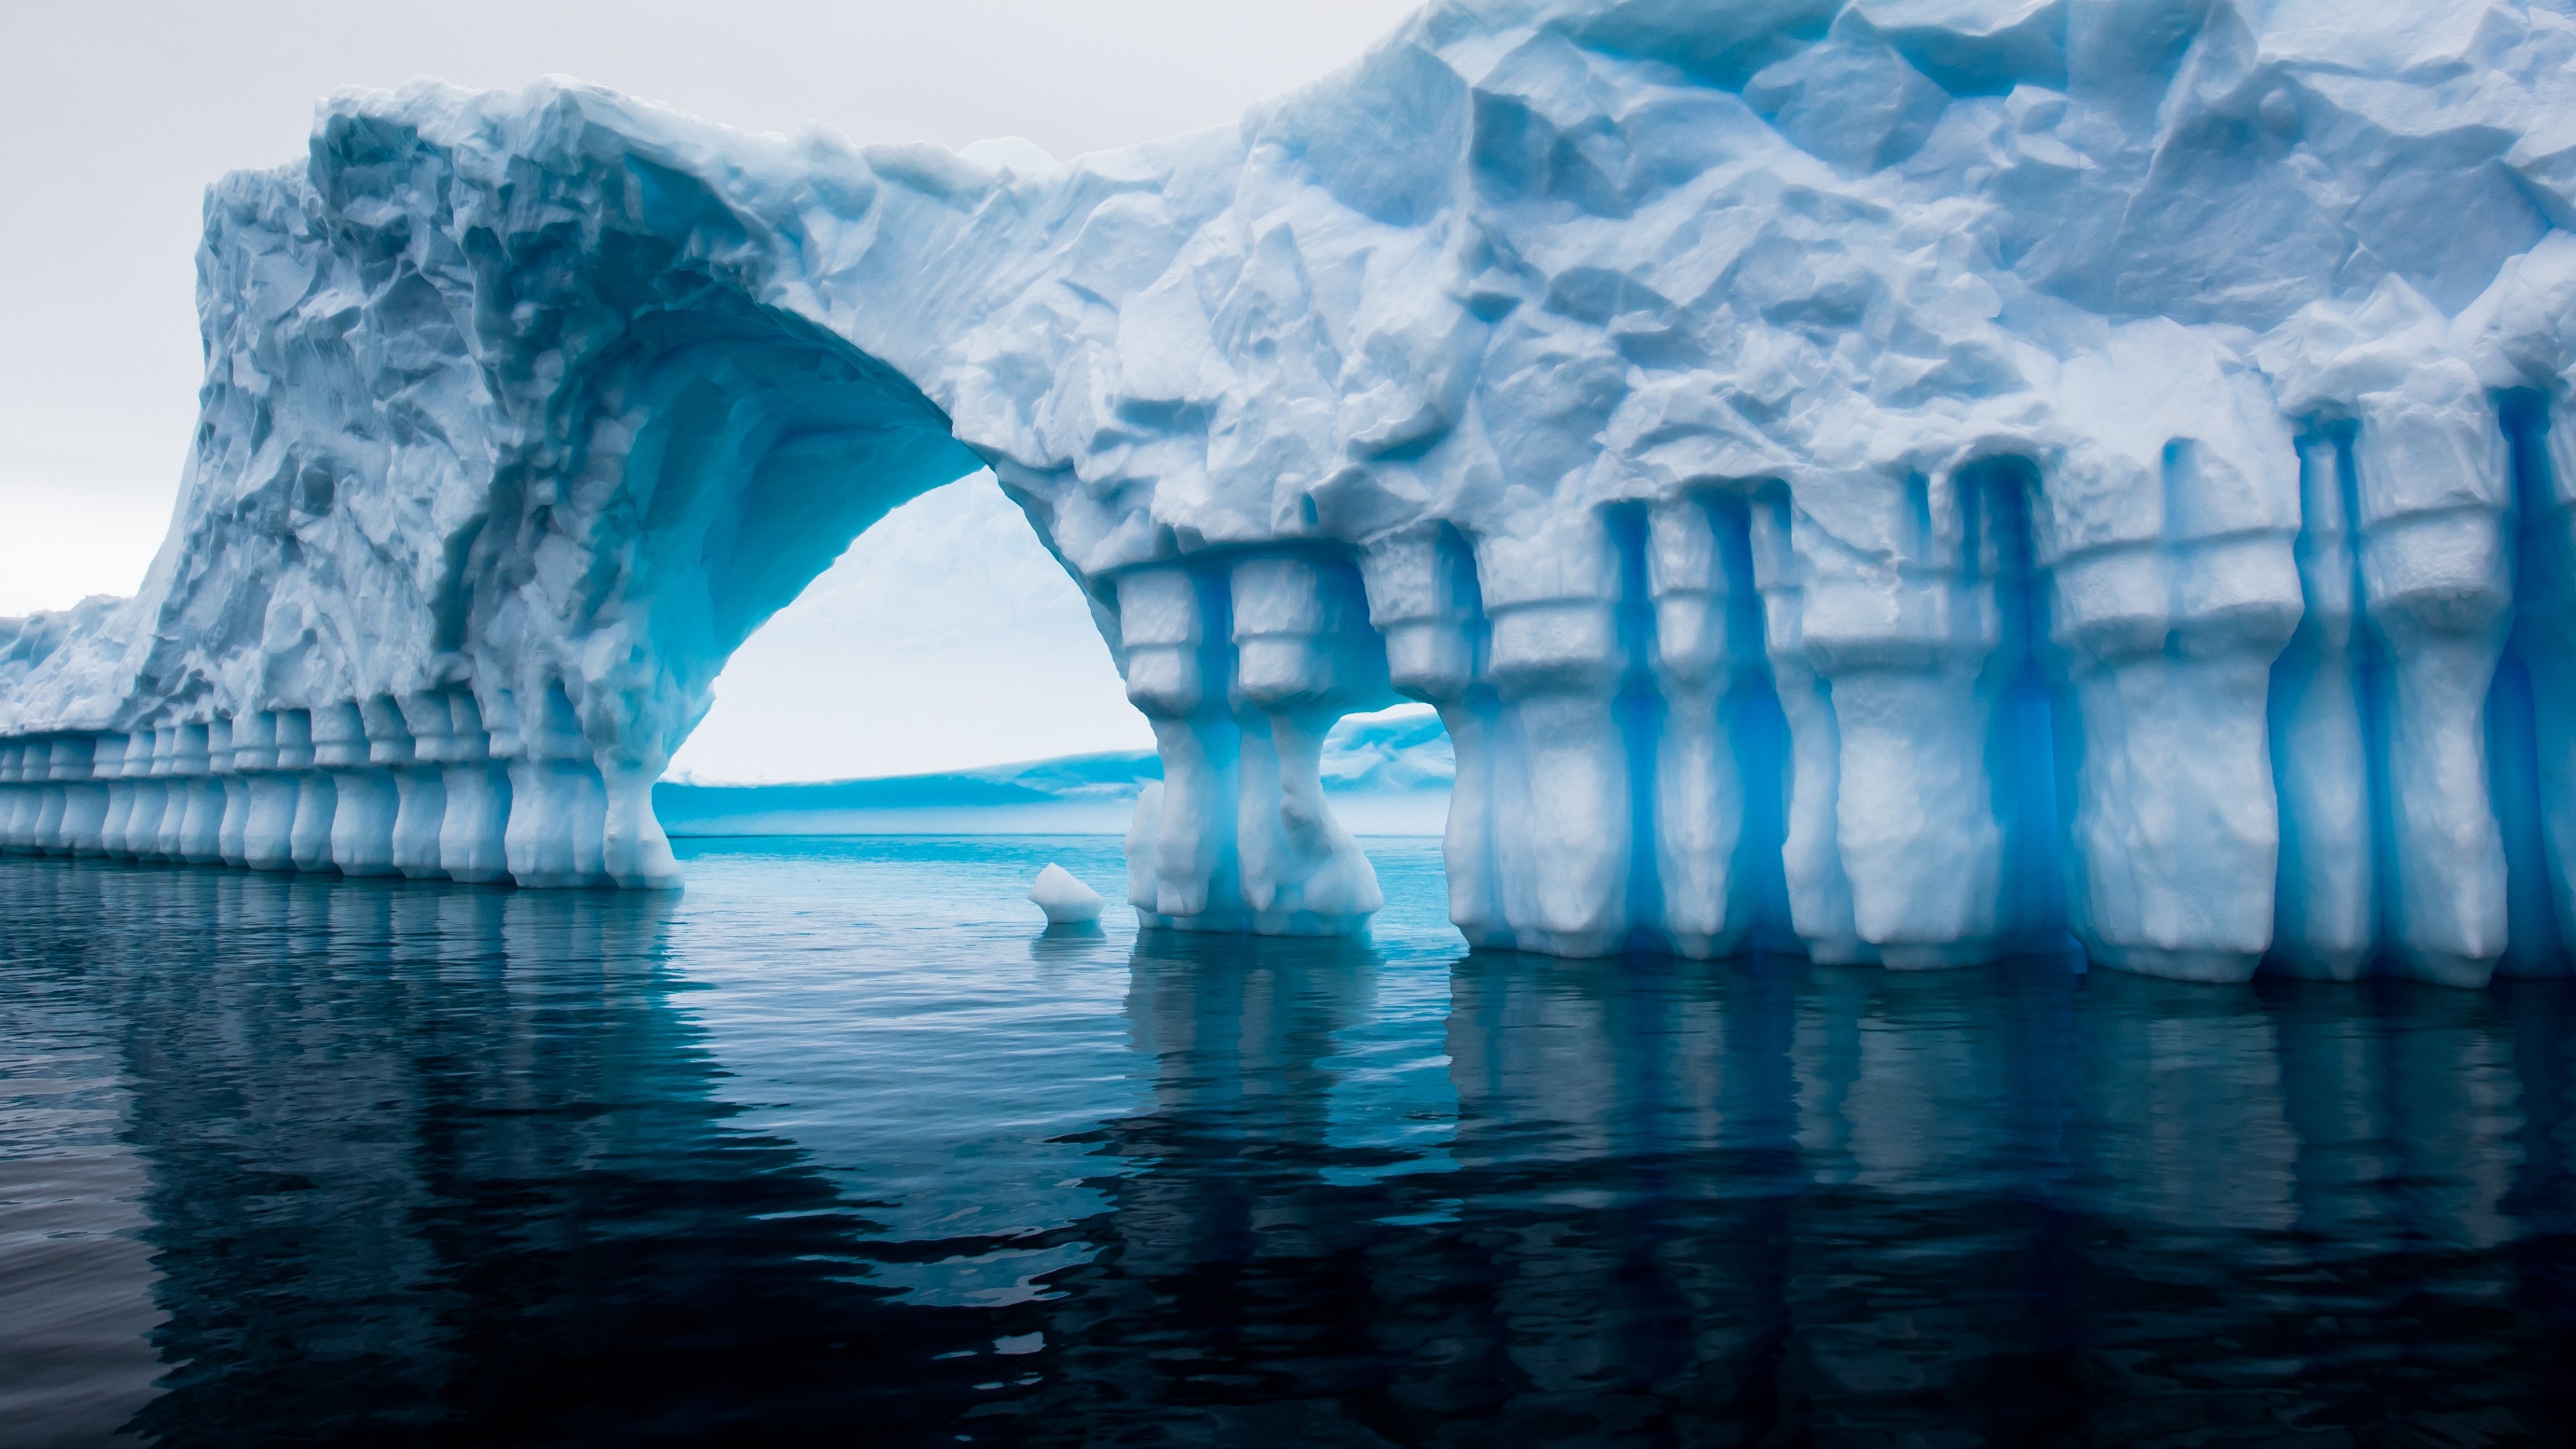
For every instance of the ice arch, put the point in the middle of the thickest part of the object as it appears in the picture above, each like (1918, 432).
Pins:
(1894, 484)
(508, 443)
(755, 448)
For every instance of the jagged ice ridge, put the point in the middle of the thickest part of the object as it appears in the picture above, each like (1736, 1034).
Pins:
(1902, 480)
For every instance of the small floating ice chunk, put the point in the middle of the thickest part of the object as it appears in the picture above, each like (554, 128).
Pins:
(1064, 899)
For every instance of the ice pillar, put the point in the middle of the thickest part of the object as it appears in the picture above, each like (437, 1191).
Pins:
(268, 806)
(199, 819)
(2534, 704)
(229, 752)
(411, 745)
(169, 765)
(558, 808)
(1901, 623)
(1304, 657)
(1562, 811)
(13, 795)
(153, 796)
(51, 764)
(1718, 782)
(473, 827)
(363, 799)
(1182, 870)
(117, 759)
(1423, 598)
(316, 797)
(2170, 630)
(2326, 910)
(2436, 582)
(84, 814)
(1818, 890)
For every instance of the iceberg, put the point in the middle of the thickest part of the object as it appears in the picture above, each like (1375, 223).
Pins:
(1386, 773)
(1902, 481)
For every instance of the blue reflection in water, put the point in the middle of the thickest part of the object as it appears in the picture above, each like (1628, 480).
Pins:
(839, 1145)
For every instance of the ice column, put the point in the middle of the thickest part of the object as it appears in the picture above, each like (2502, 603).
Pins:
(230, 752)
(634, 851)
(192, 837)
(2533, 732)
(35, 770)
(2437, 591)
(1717, 767)
(558, 810)
(41, 822)
(1304, 657)
(164, 844)
(2170, 626)
(472, 832)
(12, 793)
(36, 831)
(2326, 912)
(124, 764)
(1899, 618)
(47, 763)
(316, 794)
(84, 797)
(1423, 599)
(35, 762)
(149, 761)
(151, 756)
(1819, 892)
(1181, 863)
(117, 760)
(363, 800)
(268, 814)
(1561, 804)
(411, 744)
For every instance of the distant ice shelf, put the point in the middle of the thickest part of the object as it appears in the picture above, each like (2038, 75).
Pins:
(1384, 774)
(1897, 480)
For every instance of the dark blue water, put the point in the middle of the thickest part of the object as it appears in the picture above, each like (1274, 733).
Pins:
(839, 1148)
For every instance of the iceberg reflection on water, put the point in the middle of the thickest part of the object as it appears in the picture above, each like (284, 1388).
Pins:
(838, 1138)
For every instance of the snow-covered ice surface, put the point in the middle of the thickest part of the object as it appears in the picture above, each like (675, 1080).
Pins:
(1900, 479)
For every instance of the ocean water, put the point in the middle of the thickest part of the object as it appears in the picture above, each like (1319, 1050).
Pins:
(839, 1147)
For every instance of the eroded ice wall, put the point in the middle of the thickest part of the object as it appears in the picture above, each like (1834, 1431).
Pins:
(1902, 479)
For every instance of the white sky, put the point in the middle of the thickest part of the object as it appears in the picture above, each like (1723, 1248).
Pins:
(114, 116)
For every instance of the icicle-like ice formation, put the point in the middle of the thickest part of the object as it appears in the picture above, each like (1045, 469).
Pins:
(1898, 481)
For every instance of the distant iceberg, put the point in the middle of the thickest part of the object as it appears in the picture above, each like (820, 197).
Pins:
(1386, 774)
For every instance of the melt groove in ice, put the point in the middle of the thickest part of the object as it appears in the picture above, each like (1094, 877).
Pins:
(1902, 480)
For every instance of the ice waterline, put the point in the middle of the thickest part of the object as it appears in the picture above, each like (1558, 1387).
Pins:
(1900, 482)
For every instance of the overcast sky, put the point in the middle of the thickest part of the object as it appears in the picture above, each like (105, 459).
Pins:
(113, 117)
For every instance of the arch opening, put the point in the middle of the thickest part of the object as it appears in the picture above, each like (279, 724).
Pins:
(945, 639)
